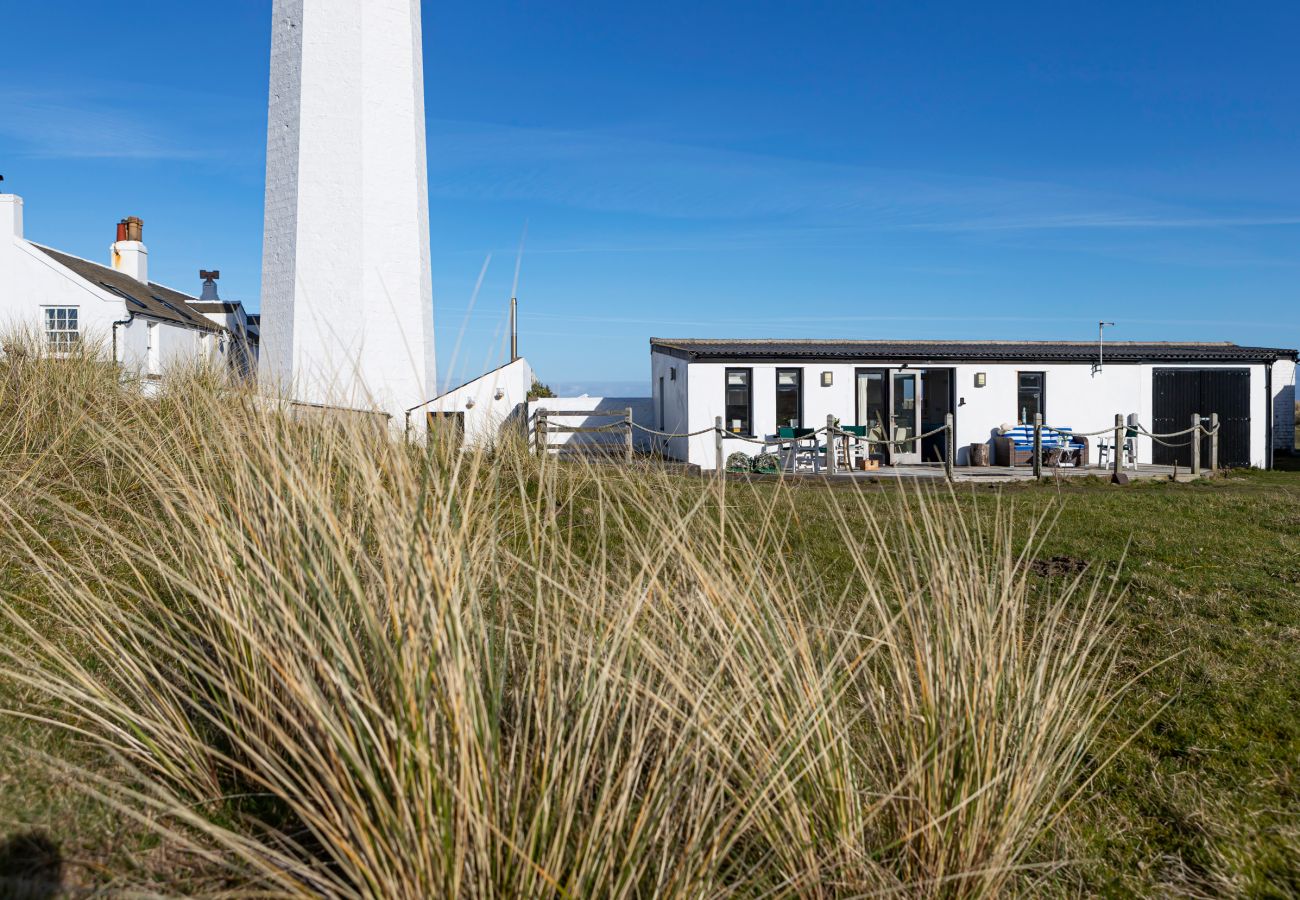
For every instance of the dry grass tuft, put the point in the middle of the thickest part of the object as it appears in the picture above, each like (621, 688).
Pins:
(334, 665)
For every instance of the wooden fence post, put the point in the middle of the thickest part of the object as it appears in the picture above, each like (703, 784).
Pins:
(717, 442)
(1196, 444)
(1214, 442)
(627, 419)
(1118, 462)
(949, 446)
(1038, 445)
(540, 425)
(830, 444)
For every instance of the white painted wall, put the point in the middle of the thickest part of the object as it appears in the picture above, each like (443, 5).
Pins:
(491, 403)
(1076, 398)
(30, 281)
(669, 410)
(347, 296)
(643, 413)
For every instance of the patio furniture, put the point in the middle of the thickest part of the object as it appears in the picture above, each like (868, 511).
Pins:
(853, 450)
(1016, 447)
(801, 451)
(1106, 447)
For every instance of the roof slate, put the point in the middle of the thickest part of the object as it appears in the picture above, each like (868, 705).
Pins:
(705, 350)
(153, 300)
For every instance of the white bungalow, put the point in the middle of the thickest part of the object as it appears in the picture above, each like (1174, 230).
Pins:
(906, 388)
(142, 325)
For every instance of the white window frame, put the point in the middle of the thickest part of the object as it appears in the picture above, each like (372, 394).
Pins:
(61, 340)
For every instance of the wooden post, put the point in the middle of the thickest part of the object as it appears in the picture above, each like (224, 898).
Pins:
(1214, 442)
(1038, 445)
(949, 446)
(540, 425)
(1196, 444)
(717, 442)
(627, 422)
(1118, 461)
(830, 444)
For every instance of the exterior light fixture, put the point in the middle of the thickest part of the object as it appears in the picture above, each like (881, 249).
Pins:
(672, 373)
(499, 394)
(469, 403)
(828, 378)
(981, 379)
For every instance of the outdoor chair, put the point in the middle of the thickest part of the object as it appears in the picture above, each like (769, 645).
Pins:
(1016, 447)
(802, 453)
(854, 450)
(1106, 447)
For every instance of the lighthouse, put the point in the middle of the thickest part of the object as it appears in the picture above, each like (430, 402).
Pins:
(347, 294)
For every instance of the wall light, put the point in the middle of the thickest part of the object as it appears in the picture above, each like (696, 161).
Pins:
(469, 403)
(981, 379)
(499, 394)
(672, 373)
(828, 378)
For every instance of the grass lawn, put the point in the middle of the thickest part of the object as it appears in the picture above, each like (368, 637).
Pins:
(1204, 801)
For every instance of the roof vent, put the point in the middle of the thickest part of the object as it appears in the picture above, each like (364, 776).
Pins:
(209, 294)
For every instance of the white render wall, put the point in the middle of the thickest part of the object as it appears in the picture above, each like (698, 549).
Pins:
(347, 296)
(1076, 399)
(30, 281)
(675, 406)
(487, 415)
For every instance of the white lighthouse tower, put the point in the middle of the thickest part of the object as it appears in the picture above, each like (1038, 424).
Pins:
(347, 295)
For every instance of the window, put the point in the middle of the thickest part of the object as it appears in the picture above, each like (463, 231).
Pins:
(739, 401)
(1032, 397)
(61, 328)
(789, 398)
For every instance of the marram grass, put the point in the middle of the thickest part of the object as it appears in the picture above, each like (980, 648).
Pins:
(329, 664)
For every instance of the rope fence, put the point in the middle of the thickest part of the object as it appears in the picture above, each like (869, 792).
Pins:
(1121, 432)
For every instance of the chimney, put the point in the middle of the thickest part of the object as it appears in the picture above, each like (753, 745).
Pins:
(11, 215)
(130, 256)
(209, 294)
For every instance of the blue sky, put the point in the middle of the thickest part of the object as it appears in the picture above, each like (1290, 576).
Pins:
(739, 169)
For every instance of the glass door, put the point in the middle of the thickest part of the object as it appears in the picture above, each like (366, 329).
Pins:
(904, 416)
(872, 407)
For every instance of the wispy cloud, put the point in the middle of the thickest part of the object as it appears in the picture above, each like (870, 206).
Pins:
(62, 125)
(612, 173)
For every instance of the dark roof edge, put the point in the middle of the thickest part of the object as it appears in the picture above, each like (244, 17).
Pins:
(698, 350)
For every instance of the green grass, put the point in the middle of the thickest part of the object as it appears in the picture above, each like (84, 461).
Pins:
(1206, 799)
(1199, 797)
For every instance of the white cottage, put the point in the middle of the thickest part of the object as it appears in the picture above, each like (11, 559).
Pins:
(142, 325)
(906, 388)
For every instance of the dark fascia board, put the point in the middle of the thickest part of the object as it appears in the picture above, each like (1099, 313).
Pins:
(938, 352)
(668, 350)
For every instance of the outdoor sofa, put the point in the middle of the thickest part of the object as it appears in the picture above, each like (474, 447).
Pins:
(1016, 447)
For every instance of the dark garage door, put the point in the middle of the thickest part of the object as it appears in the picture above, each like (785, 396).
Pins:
(1180, 392)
